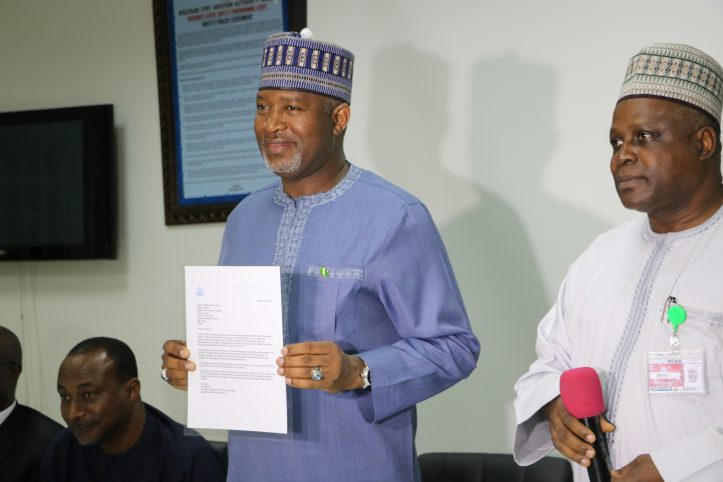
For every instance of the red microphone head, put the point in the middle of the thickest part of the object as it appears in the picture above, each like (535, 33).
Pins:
(581, 392)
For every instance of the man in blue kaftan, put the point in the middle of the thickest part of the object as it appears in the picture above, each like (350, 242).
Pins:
(374, 319)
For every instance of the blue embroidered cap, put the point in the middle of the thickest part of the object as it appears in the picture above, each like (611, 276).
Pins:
(676, 71)
(295, 61)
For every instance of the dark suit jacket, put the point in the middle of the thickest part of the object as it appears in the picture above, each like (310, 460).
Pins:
(24, 436)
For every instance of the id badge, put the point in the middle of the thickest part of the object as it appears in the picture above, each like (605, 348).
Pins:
(676, 371)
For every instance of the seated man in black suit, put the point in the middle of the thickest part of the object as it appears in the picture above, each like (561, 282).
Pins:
(24, 433)
(112, 435)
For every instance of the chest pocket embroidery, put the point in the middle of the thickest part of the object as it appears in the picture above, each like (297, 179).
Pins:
(327, 301)
(715, 320)
(704, 330)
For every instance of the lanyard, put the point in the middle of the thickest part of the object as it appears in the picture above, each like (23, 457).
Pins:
(676, 317)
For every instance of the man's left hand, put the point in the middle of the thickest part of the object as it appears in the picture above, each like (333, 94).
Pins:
(642, 469)
(341, 371)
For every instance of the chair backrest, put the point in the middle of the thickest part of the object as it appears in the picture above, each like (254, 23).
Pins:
(479, 467)
(221, 449)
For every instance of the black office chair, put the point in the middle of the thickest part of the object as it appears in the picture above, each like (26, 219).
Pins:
(221, 449)
(478, 467)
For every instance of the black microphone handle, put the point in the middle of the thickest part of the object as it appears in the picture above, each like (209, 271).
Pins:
(598, 470)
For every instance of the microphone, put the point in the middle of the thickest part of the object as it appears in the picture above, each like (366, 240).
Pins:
(582, 396)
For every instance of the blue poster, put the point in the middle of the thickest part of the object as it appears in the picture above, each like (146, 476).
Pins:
(215, 61)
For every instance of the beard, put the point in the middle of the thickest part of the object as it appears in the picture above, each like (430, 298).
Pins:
(281, 166)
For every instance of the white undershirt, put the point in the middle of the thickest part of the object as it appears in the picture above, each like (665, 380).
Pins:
(6, 413)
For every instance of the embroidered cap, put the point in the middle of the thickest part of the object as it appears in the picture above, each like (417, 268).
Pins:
(679, 72)
(295, 61)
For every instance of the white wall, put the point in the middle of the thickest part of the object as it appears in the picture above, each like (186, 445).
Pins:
(494, 113)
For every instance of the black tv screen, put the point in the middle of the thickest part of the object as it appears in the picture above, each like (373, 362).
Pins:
(58, 184)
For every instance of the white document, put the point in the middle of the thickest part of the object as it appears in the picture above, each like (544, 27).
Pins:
(235, 334)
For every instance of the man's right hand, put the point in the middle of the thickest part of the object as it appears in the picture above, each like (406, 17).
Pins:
(176, 363)
(570, 436)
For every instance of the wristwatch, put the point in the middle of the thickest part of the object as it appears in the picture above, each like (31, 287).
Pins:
(365, 376)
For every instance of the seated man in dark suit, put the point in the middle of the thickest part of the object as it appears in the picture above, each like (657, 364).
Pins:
(112, 435)
(24, 433)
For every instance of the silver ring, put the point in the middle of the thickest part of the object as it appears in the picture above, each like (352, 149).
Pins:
(164, 375)
(317, 374)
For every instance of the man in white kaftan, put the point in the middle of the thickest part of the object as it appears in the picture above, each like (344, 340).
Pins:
(610, 313)
(608, 316)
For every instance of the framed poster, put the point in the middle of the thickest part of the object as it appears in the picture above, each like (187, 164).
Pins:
(208, 58)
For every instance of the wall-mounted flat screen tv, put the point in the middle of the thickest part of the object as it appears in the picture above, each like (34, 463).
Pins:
(58, 184)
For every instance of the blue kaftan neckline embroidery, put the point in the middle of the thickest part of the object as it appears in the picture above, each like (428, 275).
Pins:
(323, 197)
